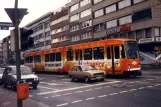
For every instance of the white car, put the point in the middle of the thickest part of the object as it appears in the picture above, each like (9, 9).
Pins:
(1, 73)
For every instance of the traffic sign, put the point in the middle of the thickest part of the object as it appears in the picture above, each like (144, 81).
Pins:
(21, 13)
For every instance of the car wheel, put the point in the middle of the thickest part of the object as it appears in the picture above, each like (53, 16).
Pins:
(4, 85)
(87, 79)
(71, 78)
(102, 79)
(34, 87)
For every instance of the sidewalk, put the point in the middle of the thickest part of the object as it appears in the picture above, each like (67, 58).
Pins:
(8, 99)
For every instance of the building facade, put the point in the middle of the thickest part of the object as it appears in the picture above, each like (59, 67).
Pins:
(1, 53)
(41, 35)
(137, 19)
(59, 26)
(80, 21)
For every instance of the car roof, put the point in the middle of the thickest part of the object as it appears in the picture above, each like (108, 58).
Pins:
(81, 65)
(13, 66)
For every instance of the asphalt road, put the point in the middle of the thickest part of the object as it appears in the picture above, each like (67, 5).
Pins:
(57, 91)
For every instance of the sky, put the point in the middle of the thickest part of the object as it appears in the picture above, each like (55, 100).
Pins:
(36, 8)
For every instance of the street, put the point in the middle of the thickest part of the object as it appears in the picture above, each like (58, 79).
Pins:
(56, 90)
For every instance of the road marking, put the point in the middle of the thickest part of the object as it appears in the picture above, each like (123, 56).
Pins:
(68, 93)
(78, 91)
(56, 96)
(47, 88)
(133, 90)
(157, 85)
(65, 79)
(131, 82)
(151, 79)
(98, 88)
(149, 86)
(141, 88)
(77, 101)
(102, 96)
(48, 83)
(107, 86)
(62, 104)
(113, 94)
(123, 92)
(46, 97)
(137, 81)
(90, 98)
(89, 90)
(75, 88)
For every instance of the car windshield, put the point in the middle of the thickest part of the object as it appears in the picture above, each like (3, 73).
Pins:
(132, 49)
(1, 70)
(24, 71)
(87, 68)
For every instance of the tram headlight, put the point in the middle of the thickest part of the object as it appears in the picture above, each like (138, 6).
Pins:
(129, 66)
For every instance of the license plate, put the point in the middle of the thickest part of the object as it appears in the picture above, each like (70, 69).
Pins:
(30, 83)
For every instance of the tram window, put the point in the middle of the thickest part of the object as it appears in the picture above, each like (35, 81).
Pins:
(99, 53)
(47, 58)
(69, 55)
(108, 53)
(88, 54)
(52, 57)
(117, 53)
(37, 58)
(30, 59)
(58, 56)
(80, 54)
(122, 51)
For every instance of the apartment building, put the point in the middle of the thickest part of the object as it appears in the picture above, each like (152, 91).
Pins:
(59, 26)
(137, 19)
(41, 35)
(1, 53)
(80, 21)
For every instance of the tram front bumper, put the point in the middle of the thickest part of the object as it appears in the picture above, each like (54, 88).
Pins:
(137, 72)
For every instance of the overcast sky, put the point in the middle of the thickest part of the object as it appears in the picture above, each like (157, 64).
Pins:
(36, 8)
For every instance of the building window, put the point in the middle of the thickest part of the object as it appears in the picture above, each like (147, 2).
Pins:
(125, 20)
(74, 28)
(144, 14)
(137, 1)
(47, 34)
(47, 25)
(64, 38)
(41, 36)
(74, 7)
(86, 35)
(96, 1)
(98, 13)
(48, 42)
(84, 2)
(140, 34)
(131, 35)
(75, 38)
(62, 29)
(111, 8)
(85, 13)
(148, 33)
(99, 27)
(74, 17)
(88, 54)
(61, 19)
(156, 30)
(86, 24)
(98, 53)
(111, 24)
(124, 3)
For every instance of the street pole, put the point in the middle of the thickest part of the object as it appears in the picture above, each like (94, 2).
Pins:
(19, 102)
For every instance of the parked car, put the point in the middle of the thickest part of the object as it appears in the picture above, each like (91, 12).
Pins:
(1, 73)
(86, 72)
(10, 77)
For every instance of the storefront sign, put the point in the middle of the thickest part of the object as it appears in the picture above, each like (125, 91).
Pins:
(158, 39)
(118, 29)
(146, 40)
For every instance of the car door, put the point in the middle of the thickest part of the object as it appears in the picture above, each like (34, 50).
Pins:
(9, 75)
(80, 72)
(4, 77)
